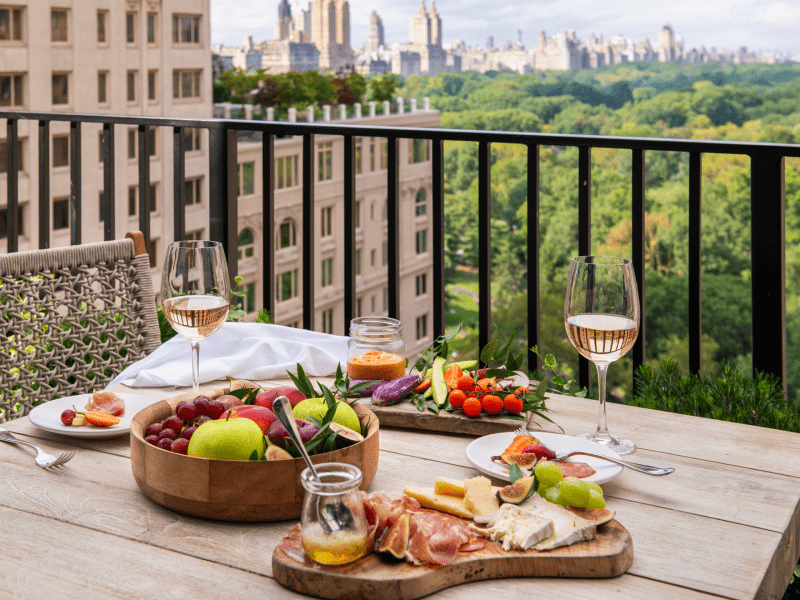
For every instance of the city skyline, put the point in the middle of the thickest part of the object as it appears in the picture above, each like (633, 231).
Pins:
(757, 24)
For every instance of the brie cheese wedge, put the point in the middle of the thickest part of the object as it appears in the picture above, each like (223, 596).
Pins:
(568, 527)
(518, 529)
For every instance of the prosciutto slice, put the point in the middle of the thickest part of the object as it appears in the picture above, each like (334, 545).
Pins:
(382, 510)
(575, 469)
(106, 401)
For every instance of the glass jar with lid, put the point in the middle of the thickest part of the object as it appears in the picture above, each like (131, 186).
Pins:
(336, 498)
(375, 350)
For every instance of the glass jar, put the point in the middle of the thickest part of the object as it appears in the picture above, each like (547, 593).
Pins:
(336, 498)
(375, 350)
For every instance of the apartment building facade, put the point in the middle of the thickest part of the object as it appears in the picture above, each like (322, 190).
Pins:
(131, 57)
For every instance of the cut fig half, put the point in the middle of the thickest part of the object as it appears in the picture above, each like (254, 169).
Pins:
(525, 460)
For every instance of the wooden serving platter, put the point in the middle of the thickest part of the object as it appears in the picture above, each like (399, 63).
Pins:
(610, 554)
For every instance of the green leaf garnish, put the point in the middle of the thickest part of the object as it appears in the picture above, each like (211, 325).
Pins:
(515, 472)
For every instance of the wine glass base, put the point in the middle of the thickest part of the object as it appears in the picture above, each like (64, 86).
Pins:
(619, 445)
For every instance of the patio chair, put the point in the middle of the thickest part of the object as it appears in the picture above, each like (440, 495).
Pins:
(71, 319)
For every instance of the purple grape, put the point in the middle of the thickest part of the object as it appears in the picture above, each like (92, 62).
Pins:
(180, 446)
(154, 429)
(188, 431)
(165, 444)
(215, 409)
(203, 419)
(168, 434)
(174, 423)
(186, 412)
(201, 404)
(152, 439)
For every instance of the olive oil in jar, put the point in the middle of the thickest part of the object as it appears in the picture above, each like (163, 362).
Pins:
(339, 548)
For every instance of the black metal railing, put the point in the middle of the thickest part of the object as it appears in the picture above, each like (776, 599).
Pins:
(767, 210)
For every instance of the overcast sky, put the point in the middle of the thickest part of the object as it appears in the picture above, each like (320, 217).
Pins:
(766, 25)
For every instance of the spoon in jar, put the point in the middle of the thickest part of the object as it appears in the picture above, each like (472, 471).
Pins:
(332, 517)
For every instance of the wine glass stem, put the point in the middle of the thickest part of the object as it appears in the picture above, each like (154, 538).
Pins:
(602, 428)
(195, 365)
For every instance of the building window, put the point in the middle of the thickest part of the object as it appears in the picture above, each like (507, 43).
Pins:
(185, 29)
(358, 214)
(102, 87)
(247, 244)
(422, 327)
(102, 27)
(154, 197)
(59, 17)
(422, 284)
(130, 28)
(11, 24)
(418, 151)
(11, 91)
(372, 258)
(60, 151)
(102, 207)
(325, 161)
(61, 88)
(286, 285)
(385, 253)
(191, 140)
(420, 207)
(358, 307)
(385, 299)
(327, 272)
(286, 234)
(371, 154)
(152, 86)
(286, 172)
(133, 143)
(132, 201)
(4, 221)
(327, 321)
(60, 213)
(422, 241)
(192, 190)
(327, 217)
(373, 304)
(195, 235)
(152, 29)
(372, 212)
(246, 174)
(384, 153)
(153, 252)
(358, 155)
(185, 84)
(358, 262)
(21, 146)
(249, 300)
(133, 87)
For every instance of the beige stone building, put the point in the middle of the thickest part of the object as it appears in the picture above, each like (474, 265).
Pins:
(137, 57)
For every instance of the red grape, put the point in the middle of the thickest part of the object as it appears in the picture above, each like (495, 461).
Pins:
(203, 419)
(180, 446)
(165, 444)
(152, 439)
(215, 409)
(153, 429)
(188, 431)
(174, 423)
(68, 416)
(168, 434)
(186, 412)
(201, 404)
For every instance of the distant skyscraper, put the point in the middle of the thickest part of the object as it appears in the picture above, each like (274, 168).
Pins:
(490, 42)
(283, 26)
(376, 39)
(330, 32)
(435, 25)
(421, 26)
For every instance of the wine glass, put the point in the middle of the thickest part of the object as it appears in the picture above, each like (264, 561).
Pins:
(196, 293)
(601, 314)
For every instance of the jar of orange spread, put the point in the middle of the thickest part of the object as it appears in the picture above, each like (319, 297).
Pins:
(375, 349)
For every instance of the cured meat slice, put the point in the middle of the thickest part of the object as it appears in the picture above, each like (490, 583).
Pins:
(106, 401)
(436, 538)
(575, 469)
(382, 510)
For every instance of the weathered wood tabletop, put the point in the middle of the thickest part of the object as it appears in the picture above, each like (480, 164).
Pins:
(725, 524)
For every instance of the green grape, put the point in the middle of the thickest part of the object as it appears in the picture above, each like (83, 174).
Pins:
(595, 486)
(596, 500)
(548, 473)
(553, 494)
(575, 492)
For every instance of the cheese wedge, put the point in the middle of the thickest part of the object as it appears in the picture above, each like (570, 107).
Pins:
(568, 528)
(449, 487)
(478, 496)
(430, 499)
(515, 527)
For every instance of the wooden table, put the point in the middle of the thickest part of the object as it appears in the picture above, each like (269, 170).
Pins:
(725, 524)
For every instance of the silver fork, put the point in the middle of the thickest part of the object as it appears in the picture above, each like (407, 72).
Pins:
(43, 459)
(646, 469)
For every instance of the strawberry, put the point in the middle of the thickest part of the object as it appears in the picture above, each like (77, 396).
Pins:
(542, 452)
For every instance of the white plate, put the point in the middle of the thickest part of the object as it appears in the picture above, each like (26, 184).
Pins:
(47, 416)
(480, 452)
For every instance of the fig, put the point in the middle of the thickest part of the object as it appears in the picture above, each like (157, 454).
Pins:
(517, 492)
(598, 516)
(345, 436)
(276, 453)
(394, 543)
(278, 435)
(523, 459)
(239, 384)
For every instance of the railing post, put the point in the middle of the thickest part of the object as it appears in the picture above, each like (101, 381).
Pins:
(223, 205)
(268, 221)
(109, 183)
(533, 256)
(637, 248)
(393, 218)
(484, 244)
(372, 108)
(309, 210)
(75, 182)
(178, 184)
(12, 175)
(767, 244)
(349, 230)
(44, 185)
(695, 262)
(144, 185)
(357, 108)
(584, 236)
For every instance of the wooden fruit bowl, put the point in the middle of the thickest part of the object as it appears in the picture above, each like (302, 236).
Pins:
(233, 490)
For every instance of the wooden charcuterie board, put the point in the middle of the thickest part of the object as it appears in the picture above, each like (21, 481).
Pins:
(610, 554)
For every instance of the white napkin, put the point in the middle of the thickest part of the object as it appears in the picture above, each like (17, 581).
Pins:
(245, 350)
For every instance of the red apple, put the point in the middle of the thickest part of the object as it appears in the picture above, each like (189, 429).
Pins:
(261, 415)
(278, 435)
(267, 397)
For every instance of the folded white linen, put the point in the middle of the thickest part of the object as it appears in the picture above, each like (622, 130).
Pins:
(245, 350)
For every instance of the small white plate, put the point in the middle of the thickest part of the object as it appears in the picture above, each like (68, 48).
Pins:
(480, 452)
(47, 416)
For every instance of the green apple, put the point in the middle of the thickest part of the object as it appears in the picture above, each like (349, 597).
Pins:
(316, 407)
(230, 439)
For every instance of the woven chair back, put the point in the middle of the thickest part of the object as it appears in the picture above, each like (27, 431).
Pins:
(70, 320)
